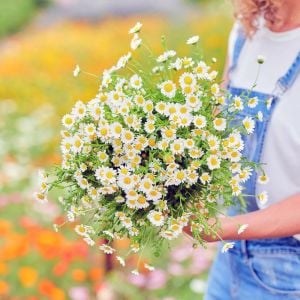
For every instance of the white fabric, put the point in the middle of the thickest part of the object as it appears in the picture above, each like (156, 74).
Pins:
(281, 151)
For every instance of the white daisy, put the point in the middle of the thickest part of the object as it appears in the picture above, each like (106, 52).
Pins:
(121, 261)
(89, 241)
(219, 124)
(213, 162)
(135, 42)
(76, 71)
(252, 102)
(215, 89)
(107, 249)
(205, 178)
(127, 136)
(187, 79)
(249, 124)
(177, 147)
(263, 179)
(141, 202)
(227, 246)
(213, 142)
(68, 120)
(263, 197)
(242, 228)
(136, 28)
(136, 81)
(199, 121)
(193, 40)
(81, 230)
(238, 103)
(168, 88)
(41, 197)
(156, 218)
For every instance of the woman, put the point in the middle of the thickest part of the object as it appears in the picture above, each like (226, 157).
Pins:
(265, 261)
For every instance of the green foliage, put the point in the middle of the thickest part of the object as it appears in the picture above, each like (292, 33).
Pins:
(14, 14)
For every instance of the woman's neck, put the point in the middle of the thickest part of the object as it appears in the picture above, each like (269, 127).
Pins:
(289, 17)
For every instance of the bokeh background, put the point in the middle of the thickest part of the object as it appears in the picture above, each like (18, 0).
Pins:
(40, 43)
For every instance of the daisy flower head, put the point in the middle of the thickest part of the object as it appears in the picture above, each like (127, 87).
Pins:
(77, 144)
(260, 59)
(168, 234)
(123, 60)
(242, 228)
(199, 121)
(177, 147)
(156, 218)
(252, 102)
(227, 246)
(205, 178)
(127, 136)
(262, 197)
(215, 89)
(168, 89)
(249, 124)
(82, 230)
(161, 107)
(41, 197)
(213, 142)
(263, 179)
(68, 121)
(136, 81)
(219, 124)
(135, 42)
(141, 202)
(116, 129)
(107, 249)
(213, 162)
(102, 156)
(76, 71)
(120, 260)
(193, 40)
(187, 62)
(201, 70)
(136, 28)
(238, 103)
(187, 79)
(79, 110)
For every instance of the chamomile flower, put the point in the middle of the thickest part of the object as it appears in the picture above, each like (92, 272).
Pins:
(215, 89)
(90, 129)
(135, 42)
(187, 79)
(213, 162)
(205, 178)
(193, 40)
(263, 179)
(168, 88)
(154, 195)
(193, 102)
(136, 28)
(41, 197)
(68, 121)
(187, 62)
(107, 249)
(227, 246)
(102, 156)
(149, 127)
(148, 106)
(122, 62)
(189, 143)
(136, 81)
(262, 197)
(238, 103)
(89, 241)
(156, 218)
(76, 71)
(219, 124)
(213, 142)
(120, 260)
(77, 144)
(177, 147)
(199, 121)
(168, 234)
(245, 174)
(81, 230)
(195, 153)
(235, 156)
(201, 70)
(252, 102)
(242, 228)
(141, 202)
(249, 124)
(79, 110)
(127, 136)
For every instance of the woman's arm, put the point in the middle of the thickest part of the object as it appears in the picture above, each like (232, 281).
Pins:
(278, 220)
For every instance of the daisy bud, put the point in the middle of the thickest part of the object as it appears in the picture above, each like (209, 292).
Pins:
(260, 59)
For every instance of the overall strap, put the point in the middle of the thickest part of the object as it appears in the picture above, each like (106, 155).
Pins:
(287, 80)
(238, 46)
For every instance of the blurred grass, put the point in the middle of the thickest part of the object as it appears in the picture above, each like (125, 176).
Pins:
(15, 13)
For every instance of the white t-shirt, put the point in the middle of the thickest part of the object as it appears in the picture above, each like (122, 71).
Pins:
(281, 150)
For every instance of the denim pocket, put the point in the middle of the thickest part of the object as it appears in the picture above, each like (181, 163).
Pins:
(279, 273)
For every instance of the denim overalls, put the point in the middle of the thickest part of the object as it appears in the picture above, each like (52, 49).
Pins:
(267, 268)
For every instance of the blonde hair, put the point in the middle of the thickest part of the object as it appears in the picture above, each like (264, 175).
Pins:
(249, 11)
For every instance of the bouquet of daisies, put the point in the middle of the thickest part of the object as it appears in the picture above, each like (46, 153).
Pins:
(149, 151)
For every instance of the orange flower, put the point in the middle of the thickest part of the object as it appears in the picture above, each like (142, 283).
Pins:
(27, 276)
(78, 275)
(60, 268)
(57, 294)
(4, 288)
(46, 287)
(5, 227)
(3, 269)
(96, 274)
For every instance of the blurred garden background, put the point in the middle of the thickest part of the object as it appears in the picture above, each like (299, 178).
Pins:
(41, 41)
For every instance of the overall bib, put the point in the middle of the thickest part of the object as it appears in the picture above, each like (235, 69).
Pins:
(264, 269)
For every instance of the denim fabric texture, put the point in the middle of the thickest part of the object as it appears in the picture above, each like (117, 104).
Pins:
(266, 269)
